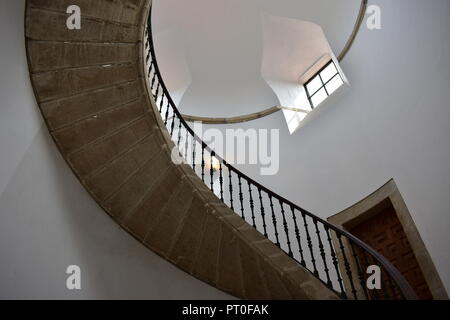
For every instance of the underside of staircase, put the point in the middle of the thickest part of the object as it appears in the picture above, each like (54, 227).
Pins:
(91, 88)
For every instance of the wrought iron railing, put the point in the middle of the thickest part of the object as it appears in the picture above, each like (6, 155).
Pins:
(332, 255)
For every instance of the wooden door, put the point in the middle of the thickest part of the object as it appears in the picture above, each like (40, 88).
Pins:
(385, 233)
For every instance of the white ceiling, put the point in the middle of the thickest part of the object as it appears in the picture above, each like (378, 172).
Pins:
(220, 48)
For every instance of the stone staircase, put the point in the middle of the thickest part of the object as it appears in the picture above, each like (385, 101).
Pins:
(90, 85)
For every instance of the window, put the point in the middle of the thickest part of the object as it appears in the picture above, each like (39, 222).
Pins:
(323, 84)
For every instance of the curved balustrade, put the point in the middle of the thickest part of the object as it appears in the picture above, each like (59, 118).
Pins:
(332, 255)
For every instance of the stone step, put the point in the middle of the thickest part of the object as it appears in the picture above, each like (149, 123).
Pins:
(87, 131)
(164, 230)
(64, 112)
(99, 153)
(64, 83)
(50, 25)
(124, 11)
(109, 178)
(52, 56)
(90, 88)
(132, 193)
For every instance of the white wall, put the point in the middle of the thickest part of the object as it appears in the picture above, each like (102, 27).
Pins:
(394, 122)
(48, 221)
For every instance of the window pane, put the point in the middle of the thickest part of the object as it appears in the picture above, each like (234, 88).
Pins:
(314, 85)
(334, 84)
(319, 97)
(328, 72)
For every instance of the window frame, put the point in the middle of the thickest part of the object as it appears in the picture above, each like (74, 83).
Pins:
(323, 84)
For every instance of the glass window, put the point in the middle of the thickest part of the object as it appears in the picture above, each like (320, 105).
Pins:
(329, 72)
(323, 84)
(319, 97)
(314, 85)
(334, 84)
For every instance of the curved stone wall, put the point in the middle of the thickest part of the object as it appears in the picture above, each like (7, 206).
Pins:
(90, 87)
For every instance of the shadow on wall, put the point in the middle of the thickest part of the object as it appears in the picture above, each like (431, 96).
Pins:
(49, 222)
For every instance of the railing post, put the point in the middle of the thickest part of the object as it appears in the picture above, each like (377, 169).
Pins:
(274, 220)
(252, 205)
(230, 188)
(310, 245)
(263, 214)
(347, 266)
(286, 230)
(297, 235)
(241, 197)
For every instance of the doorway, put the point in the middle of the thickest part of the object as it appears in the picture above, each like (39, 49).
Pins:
(384, 232)
(383, 221)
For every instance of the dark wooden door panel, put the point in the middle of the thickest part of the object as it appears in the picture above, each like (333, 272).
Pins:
(385, 234)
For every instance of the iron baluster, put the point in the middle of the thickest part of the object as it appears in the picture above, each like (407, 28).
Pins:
(241, 198)
(335, 263)
(322, 253)
(263, 214)
(162, 102)
(286, 230)
(221, 181)
(274, 221)
(203, 162)
(347, 266)
(358, 269)
(211, 171)
(194, 146)
(157, 91)
(297, 235)
(167, 113)
(252, 204)
(230, 188)
(366, 262)
(150, 69)
(172, 127)
(179, 134)
(186, 146)
(310, 245)
(153, 81)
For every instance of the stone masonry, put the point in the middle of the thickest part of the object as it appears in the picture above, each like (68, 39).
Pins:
(91, 89)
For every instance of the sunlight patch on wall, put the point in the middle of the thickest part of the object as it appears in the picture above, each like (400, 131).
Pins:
(299, 65)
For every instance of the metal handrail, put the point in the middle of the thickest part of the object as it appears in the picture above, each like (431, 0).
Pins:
(362, 253)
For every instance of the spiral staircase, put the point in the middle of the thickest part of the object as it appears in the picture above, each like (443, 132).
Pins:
(106, 106)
